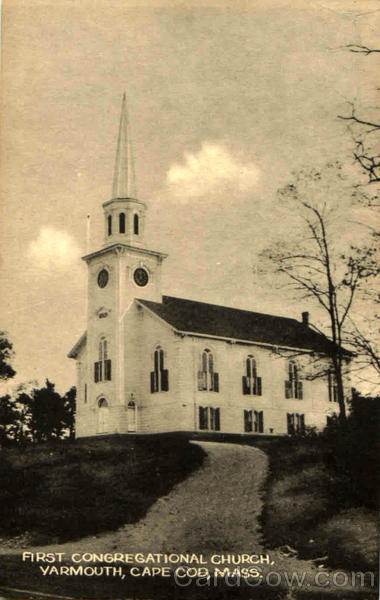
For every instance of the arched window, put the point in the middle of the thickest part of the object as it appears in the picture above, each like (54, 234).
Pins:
(121, 223)
(333, 387)
(293, 386)
(159, 377)
(208, 380)
(109, 224)
(251, 382)
(103, 403)
(102, 367)
(136, 224)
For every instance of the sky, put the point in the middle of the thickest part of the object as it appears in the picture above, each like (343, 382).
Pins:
(226, 100)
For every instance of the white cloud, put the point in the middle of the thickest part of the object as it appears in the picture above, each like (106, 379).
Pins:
(53, 249)
(210, 170)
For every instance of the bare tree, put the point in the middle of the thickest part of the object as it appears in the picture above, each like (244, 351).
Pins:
(365, 131)
(319, 263)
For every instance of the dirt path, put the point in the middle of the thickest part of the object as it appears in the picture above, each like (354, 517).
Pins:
(200, 514)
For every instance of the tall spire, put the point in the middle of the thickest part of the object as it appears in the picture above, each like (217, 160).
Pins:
(124, 179)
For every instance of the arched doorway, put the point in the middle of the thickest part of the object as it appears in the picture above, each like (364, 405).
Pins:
(103, 416)
(131, 416)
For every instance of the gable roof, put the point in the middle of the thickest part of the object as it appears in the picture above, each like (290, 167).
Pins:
(189, 316)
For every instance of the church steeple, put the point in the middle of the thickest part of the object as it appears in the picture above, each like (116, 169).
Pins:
(124, 178)
(124, 214)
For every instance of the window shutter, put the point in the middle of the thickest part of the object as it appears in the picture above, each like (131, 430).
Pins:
(258, 386)
(96, 375)
(256, 421)
(165, 380)
(330, 386)
(216, 382)
(289, 419)
(287, 389)
(203, 420)
(107, 370)
(261, 421)
(248, 421)
(152, 382)
(217, 419)
(245, 382)
(100, 371)
(300, 390)
(302, 423)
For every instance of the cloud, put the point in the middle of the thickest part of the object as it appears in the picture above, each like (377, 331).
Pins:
(210, 170)
(53, 249)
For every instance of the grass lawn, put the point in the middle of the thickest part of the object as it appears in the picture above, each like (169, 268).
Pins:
(64, 490)
(309, 506)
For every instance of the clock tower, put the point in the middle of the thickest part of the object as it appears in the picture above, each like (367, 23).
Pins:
(123, 269)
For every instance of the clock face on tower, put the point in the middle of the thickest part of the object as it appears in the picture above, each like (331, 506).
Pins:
(141, 277)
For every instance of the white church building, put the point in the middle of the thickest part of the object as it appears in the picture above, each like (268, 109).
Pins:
(152, 363)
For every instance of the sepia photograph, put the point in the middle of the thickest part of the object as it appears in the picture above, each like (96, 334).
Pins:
(189, 284)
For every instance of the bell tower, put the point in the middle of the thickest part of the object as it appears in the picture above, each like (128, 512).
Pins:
(124, 268)
(120, 271)
(124, 215)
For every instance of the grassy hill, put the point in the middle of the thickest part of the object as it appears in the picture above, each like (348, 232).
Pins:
(68, 489)
(311, 506)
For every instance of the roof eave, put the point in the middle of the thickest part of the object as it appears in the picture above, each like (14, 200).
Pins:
(117, 245)
(76, 348)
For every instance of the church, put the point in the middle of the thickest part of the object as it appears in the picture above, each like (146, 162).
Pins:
(151, 363)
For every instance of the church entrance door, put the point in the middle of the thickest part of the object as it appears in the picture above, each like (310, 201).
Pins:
(131, 416)
(103, 416)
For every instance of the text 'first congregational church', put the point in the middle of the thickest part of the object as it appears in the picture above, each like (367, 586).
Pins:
(153, 363)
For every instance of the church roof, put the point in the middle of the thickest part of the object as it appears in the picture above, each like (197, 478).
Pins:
(211, 320)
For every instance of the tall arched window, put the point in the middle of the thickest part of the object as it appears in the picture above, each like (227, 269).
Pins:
(136, 224)
(102, 367)
(333, 387)
(109, 224)
(121, 223)
(208, 380)
(293, 386)
(159, 377)
(251, 382)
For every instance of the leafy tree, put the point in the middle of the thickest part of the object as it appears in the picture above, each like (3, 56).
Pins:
(69, 401)
(323, 261)
(44, 413)
(9, 417)
(6, 354)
